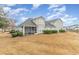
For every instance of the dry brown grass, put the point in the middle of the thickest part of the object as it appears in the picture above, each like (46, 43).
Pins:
(55, 44)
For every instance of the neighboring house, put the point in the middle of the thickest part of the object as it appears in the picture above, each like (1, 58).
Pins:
(72, 27)
(37, 25)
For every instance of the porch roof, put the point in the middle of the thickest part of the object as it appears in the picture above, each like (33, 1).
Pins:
(28, 23)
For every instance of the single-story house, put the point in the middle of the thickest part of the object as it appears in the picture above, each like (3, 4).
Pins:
(38, 24)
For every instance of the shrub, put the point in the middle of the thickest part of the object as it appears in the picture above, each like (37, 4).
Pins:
(49, 31)
(14, 34)
(19, 33)
(12, 31)
(62, 31)
(54, 31)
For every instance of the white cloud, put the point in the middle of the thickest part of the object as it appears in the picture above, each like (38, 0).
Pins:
(10, 4)
(53, 16)
(48, 13)
(16, 12)
(6, 9)
(7, 5)
(54, 6)
(61, 9)
(56, 12)
(69, 20)
(24, 18)
(35, 6)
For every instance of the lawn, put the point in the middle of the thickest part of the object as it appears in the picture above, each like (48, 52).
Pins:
(42, 44)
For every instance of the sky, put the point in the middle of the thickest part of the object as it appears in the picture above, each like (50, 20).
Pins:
(69, 13)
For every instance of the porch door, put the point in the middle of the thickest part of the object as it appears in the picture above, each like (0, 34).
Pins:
(30, 30)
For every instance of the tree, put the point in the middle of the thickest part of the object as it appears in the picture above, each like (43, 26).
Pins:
(4, 22)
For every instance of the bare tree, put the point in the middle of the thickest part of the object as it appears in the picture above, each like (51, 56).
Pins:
(5, 22)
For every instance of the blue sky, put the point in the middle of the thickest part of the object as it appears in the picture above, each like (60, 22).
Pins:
(69, 13)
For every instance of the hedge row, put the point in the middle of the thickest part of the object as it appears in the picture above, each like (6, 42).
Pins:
(49, 31)
(52, 31)
(62, 31)
(16, 33)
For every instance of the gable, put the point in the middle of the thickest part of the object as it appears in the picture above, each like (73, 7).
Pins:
(28, 23)
(56, 21)
(47, 24)
(39, 21)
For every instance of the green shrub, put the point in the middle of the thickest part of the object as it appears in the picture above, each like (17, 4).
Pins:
(49, 31)
(19, 33)
(14, 34)
(12, 31)
(54, 31)
(62, 31)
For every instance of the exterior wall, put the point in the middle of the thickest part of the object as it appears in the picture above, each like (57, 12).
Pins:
(40, 28)
(58, 24)
(48, 28)
(40, 22)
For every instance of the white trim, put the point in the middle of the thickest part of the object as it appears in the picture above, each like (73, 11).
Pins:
(23, 30)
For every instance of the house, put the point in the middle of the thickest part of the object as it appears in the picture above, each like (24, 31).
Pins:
(73, 27)
(38, 24)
